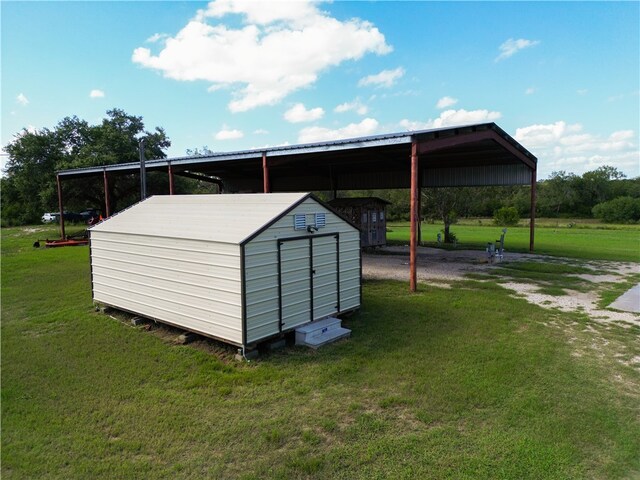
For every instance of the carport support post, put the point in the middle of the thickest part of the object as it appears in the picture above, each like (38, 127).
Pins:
(419, 208)
(107, 200)
(414, 216)
(60, 207)
(265, 174)
(532, 224)
(171, 184)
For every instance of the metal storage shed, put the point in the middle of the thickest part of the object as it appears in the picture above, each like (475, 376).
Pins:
(239, 268)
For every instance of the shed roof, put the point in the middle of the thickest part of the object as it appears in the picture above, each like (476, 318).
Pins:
(217, 218)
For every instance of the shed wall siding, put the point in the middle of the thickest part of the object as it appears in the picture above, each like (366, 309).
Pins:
(189, 283)
(261, 275)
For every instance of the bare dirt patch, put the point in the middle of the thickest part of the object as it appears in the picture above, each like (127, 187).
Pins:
(442, 267)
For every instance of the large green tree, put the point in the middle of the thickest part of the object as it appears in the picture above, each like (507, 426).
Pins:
(558, 194)
(29, 187)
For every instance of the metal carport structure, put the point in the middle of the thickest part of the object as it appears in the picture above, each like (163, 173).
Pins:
(470, 155)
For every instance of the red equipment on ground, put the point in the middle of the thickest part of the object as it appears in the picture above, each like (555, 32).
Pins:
(75, 240)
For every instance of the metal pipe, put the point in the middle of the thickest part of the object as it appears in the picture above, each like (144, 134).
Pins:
(107, 200)
(143, 171)
(60, 207)
(532, 224)
(413, 277)
(171, 183)
(265, 174)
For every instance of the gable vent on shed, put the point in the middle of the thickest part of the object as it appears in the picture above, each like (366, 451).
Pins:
(299, 222)
(321, 220)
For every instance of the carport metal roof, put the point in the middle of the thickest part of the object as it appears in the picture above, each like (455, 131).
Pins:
(481, 154)
(470, 155)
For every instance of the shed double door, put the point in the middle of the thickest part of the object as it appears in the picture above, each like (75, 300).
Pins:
(309, 279)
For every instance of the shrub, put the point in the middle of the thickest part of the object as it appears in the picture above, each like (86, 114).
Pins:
(618, 210)
(506, 217)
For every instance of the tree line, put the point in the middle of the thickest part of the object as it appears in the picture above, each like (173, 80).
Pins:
(603, 193)
(29, 184)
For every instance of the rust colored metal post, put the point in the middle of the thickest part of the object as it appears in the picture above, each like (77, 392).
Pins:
(419, 208)
(532, 224)
(60, 207)
(265, 174)
(107, 200)
(413, 277)
(171, 183)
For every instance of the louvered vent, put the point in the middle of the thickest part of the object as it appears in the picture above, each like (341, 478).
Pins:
(299, 222)
(321, 220)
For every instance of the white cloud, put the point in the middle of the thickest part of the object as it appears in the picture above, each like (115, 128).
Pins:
(270, 145)
(228, 134)
(298, 13)
(279, 48)
(299, 113)
(96, 94)
(582, 91)
(511, 47)
(450, 118)
(445, 102)
(22, 99)
(355, 105)
(368, 126)
(530, 91)
(156, 37)
(260, 131)
(562, 146)
(25, 130)
(385, 78)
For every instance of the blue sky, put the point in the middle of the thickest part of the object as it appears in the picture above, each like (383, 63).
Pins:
(562, 78)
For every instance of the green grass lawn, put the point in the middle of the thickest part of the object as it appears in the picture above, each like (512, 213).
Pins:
(587, 241)
(467, 382)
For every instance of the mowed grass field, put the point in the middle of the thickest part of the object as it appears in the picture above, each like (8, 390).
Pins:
(552, 237)
(467, 382)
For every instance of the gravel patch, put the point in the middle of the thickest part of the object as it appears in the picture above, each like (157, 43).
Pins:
(442, 267)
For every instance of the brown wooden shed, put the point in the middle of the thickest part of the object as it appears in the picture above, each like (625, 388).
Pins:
(368, 214)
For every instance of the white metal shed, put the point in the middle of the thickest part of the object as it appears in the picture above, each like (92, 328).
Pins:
(239, 268)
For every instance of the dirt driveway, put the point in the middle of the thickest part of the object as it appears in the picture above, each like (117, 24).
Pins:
(441, 267)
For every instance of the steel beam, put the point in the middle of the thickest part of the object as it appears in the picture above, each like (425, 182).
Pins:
(265, 174)
(532, 223)
(60, 207)
(107, 200)
(171, 183)
(435, 144)
(203, 177)
(413, 277)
